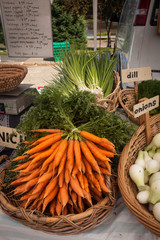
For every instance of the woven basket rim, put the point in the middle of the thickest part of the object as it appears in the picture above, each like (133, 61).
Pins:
(12, 76)
(74, 221)
(126, 186)
(124, 93)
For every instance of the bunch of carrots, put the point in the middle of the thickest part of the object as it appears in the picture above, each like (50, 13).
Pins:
(63, 175)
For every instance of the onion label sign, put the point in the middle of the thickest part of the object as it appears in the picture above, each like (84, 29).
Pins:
(10, 138)
(136, 74)
(145, 106)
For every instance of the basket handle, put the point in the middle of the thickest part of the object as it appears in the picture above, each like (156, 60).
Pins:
(146, 119)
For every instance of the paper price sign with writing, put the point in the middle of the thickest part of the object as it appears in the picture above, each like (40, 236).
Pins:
(146, 106)
(10, 138)
(136, 74)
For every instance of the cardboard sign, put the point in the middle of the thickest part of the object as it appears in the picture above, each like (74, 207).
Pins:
(136, 74)
(146, 106)
(27, 27)
(10, 138)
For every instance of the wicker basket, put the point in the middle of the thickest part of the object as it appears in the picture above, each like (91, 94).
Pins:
(61, 225)
(11, 76)
(127, 101)
(111, 102)
(127, 187)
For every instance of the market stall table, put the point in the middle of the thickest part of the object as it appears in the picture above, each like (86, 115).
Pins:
(121, 224)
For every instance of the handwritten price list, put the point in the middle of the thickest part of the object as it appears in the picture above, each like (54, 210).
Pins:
(27, 27)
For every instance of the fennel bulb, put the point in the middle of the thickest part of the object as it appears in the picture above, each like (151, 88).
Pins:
(154, 195)
(136, 173)
(156, 211)
(143, 197)
(155, 142)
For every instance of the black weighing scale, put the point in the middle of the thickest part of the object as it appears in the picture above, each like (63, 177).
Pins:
(13, 105)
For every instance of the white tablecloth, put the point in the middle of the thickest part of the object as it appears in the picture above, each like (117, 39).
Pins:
(120, 225)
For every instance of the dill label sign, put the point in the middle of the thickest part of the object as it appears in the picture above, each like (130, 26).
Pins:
(136, 74)
(9, 137)
(146, 106)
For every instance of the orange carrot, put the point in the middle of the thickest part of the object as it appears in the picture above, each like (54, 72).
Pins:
(106, 153)
(19, 158)
(43, 138)
(61, 149)
(52, 207)
(70, 155)
(86, 185)
(80, 203)
(88, 155)
(31, 167)
(49, 188)
(47, 130)
(64, 194)
(65, 211)
(75, 170)
(101, 182)
(61, 178)
(87, 166)
(74, 197)
(94, 181)
(44, 154)
(77, 154)
(75, 186)
(26, 178)
(80, 179)
(105, 140)
(46, 176)
(87, 195)
(105, 171)
(62, 163)
(30, 184)
(50, 197)
(90, 136)
(44, 145)
(51, 157)
(58, 207)
(67, 175)
(107, 146)
(22, 166)
(40, 186)
(96, 151)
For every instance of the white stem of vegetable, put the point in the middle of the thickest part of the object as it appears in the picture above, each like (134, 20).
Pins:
(155, 142)
(152, 151)
(154, 177)
(140, 160)
(146, 156)
(154, 195)
(136, 173)
(146, 177)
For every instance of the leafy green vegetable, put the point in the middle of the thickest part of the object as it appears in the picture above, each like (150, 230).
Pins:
(149, 89)
(78, 110)
(86, 71)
